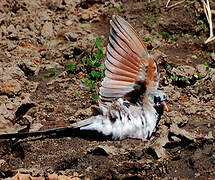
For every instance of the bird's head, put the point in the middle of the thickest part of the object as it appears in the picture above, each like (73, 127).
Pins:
(158, 99)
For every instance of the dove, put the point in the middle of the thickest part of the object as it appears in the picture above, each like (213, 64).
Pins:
(130, 103)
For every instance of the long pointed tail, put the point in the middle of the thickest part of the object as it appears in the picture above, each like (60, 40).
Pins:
(35, 133)
(72, 127)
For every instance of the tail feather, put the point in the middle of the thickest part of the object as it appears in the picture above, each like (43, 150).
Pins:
(74, 126)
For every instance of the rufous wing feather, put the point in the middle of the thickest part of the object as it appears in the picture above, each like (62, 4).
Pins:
(127, 62)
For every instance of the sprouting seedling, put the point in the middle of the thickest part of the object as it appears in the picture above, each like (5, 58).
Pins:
(91, 83)
(174, 77)
(169, 68)
(94, 65)
(119, 9)
(201, 25)
(165, 35)
(174, 37)
(197, 75)
(185, 79)
(70, 67)
(148, 39)
(95, 96)
(151, 21)
(95, 74)
(187, 35)
(207, 68)
(51, 72)
(77, 94)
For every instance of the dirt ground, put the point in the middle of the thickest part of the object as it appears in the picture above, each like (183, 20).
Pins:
(40, 35)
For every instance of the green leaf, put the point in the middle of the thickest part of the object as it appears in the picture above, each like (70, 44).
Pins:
(207, 69)
(77, 94)
(169, 68)
(149, 21)
(92, 85)
(165, 35)
(102, 66)
(175, 37)
(52, 70)
(97, 42)
(70, 67)
(150, 39)
(119, 9)
(185, 79)
(95, 74)
(86, 80)
(186, 35)
(175, 78)
(46, 76)
(95, 96)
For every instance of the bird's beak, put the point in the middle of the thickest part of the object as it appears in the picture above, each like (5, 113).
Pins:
(165, 106)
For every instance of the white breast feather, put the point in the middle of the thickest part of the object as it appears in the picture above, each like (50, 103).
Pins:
(132, 121)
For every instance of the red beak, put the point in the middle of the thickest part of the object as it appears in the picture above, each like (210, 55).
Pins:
(165, 106)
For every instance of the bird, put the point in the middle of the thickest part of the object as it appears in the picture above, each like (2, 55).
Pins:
(130, 104)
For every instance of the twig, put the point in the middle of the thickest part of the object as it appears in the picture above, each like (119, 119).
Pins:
(208, 14)
(173, 5)
(167, 3)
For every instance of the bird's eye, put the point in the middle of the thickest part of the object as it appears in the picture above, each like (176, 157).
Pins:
(164, 97)
(157, 99)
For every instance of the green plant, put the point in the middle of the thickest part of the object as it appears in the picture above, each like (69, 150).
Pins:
(163, 3)
(207, 68)
(185, 79)
(95, 74)
(197, 75)
(187, 6)
(93, 60)
(174, 77)
(165, 35)
(148, 39)
(94, 66)
(174, 37)
(187, 35)
(51, 72)
(169, 68)
(201, 25)
(70, 67)
(95, 96)
(91, 83)
(151, 21)
(119, 9)
(77, 94)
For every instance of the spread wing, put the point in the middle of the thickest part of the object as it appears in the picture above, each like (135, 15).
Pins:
(128, 64)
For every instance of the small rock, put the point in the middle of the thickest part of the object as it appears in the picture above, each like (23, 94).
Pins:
(3, 109)
(183, 71)
(70, 36)
(47, 30)
(9, 106)
(182, 132)
(99, 151)
(109, 149)
(209, 135)
(69, 22)
(202, 70)
(11, 87)
(12, 33)
(2, 161)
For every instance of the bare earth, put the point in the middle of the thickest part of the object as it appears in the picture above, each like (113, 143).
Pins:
(38, 35)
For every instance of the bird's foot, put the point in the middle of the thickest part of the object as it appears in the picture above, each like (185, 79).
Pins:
(138, 138)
